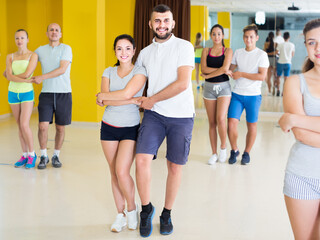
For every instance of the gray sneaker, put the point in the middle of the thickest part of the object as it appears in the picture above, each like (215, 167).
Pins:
(55, 161)
(43, 162)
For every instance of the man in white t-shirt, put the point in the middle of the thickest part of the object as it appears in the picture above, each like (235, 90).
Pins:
(252, 64)
(169, 113)
(278, 39)
(286, 52)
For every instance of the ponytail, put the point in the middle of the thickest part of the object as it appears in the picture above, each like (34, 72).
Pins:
(308, 64)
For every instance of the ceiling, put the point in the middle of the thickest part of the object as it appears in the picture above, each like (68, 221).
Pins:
(306, 6)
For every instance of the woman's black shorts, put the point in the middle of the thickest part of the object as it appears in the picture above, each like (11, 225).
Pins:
(111, 133)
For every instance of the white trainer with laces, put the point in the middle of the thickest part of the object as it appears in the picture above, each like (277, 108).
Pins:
(133, 217)
(212, 160)
(223, 155)
(119, 223)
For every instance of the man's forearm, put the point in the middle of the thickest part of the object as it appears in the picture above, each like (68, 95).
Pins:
(253, 76)
(55, 73)
(170, 91)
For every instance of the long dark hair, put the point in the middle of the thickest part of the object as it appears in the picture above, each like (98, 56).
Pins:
(218, 26)
(198, 37)
(315, 23)
(120, 37)
(271, 43)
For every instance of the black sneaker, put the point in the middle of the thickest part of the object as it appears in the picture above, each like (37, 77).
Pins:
(146, 223)
(245, 158)
(43, 162)
(55, 161)
(166, 227)
(233, 156)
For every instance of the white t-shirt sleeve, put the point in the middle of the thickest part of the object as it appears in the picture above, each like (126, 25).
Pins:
(264, 61)
(279, 46)
(139, 70)
(106, 72)
(234, 58)
(38, 52)
(186, 55)
(67, 53)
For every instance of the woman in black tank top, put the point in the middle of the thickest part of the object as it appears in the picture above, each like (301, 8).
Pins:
(215, 63)
(270, 49)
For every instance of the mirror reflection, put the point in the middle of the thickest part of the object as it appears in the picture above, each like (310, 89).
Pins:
(290, 22)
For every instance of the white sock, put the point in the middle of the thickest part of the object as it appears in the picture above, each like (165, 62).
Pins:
(44, 152)
(31, 153)
(56, 152)
(25, 154)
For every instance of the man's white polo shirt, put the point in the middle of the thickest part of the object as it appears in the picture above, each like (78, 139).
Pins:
(162, 60)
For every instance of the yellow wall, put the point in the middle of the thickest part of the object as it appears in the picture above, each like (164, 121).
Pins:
(4, 106)
(199, 23)
(116, 24)
(33, 16)
(47, 11)
(81, 25)
(89, 29)
(224, 19)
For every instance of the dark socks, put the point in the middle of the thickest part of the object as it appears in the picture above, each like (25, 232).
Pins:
(147, 208)
(166, 213)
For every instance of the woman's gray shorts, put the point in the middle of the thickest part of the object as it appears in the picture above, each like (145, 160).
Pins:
(272, 61)
(302, 188)
(212, 91)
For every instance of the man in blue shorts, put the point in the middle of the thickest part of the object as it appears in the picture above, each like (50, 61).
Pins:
(286, 52)
(55, 97)
(252, 64)
(169, 113)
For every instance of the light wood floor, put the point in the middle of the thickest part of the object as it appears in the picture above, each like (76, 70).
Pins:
(215, 202)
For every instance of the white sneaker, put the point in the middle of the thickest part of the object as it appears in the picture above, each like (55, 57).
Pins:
(212, 160)
(119, 223)
(223, 155)
(133, 218)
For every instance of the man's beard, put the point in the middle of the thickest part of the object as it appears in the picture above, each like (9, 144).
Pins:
(162, 37)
